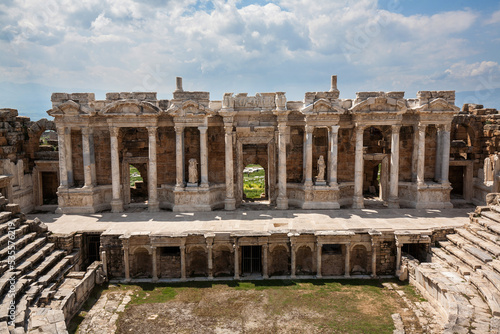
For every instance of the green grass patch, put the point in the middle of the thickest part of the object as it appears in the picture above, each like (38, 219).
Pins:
(135, 176)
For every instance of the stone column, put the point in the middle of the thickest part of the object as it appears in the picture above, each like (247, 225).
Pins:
(155, 269)
(398, 256)
(347, 260)
(333, 133)
(421, 154)
(394, 181)
(292, 259)
(414, 154)
(63, 171)
(88, 157)
(69, 155)
(179, 157)
(445, 164)
(439, 154)
(203, 157)
(210, 261)
(236, 260)
(308, 155)
(126, 260)
(230, 202)
(358, 200)
(116, 202)
(265, 249)
(153, 204)
(104, 260)
(282, 200)
(319, 247)
(374, 258)
(183, 260)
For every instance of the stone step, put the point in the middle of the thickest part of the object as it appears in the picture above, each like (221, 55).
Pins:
(465, 257)
(495, 264)
(488, 236)
(5, 216)
(478, 253)
(491, 215)
(5, 281)
(490, 225)
(35, 258)
(18, 233)
(33, 293)
(30, 248)
(4, 227)
(49, 262)
(451, 261)
(4, 327)
(12, 297)
(492, 276)
(477, 241)
(54, 272)
(19, 244)
(21, 311)
(489, 293)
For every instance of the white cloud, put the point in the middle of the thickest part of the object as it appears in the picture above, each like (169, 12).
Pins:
(495, 18)
(462, 70)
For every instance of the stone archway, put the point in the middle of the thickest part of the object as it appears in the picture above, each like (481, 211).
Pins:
(280, 261)
(223, 265)
(359, 260)
(142, 265)
(304, 261)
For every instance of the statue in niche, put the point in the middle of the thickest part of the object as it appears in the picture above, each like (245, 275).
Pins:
(193, 171)
(321, 169)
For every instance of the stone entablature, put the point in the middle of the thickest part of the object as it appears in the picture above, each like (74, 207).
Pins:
(217, 136)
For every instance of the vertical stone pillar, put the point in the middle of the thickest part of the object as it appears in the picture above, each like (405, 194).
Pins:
(439, 154)
(358, 200)
(398, 256)
(153, 204)
(89, 173)
(203, 157)
(308, 155)
(236, 260)
(333, 133)
(229, 202)
(116, 202)
(69, 155)
(421, 155)
(282, 200)
(126, 261)
(104, 260)
(414, 154)
(445, 164)
(347, 260)
(319, 248)
(265, 250)
(374, 258)
(183, 259)
(179, 157)
(210, 260)
(154, 250)
(292, 259)
(63, 171)
(394, 181)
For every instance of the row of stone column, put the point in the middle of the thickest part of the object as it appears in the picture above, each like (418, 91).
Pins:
(265, 251)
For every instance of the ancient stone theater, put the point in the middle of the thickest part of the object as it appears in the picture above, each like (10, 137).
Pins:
(374, 186)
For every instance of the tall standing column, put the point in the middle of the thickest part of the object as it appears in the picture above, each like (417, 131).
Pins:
(155, 269)
(394, 181)
(179, 157)
(265, 249)
(116, 202)
(421, 155)
(308, 155)
(183, 260)
(126, 260)
(357, 202)
(89, 173)
(230, 202)
(153, 204)
(347, 269)
(333, 155)
(282, 200)
(398, 256)
(210, 260)
(445, 164)
(236, 260)
(68, 154)
(203, 157)
(439, 153)
(319, 247)
(63, 171)
(292, 259)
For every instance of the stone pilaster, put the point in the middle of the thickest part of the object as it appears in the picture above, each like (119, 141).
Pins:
(421, 155)
(333, 133)
(292, 259)
(445, 164)
(394, 180)
(439, 154)
(179, 157)
(116, 202)
(347, 260)
(203, 157)
(69, 156)
(319, 248)
(229, 202)
(358, 200)
(63, 171)
(126, 261)
(154, 252)
(308, 155)
(282, 200)
(398, 255)
(89, 172)
(210, 259)
(153, 204)
(374, 258)
(183, 259)
(265, 250)
(236, 260)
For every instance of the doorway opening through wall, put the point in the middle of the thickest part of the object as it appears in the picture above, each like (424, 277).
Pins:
(138, 189)
(457, 177)
(254, 185)
(251, 260)
(49, 188)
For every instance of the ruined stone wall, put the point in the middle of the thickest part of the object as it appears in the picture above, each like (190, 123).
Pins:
(76, 157)
(216, 154)
(346, 155)
(114, 255)
(102, 156)
(406, 142)
(386, 258)
(430, 152)
(165, 155)
(295, 155)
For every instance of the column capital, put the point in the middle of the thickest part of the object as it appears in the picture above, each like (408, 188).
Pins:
(152, 130)
(179, 128)
(360, 128)
(447, 127)
(203, 129)
(87, 130)
(335, 129)
(281, 127)
(395, 127)
(114, 131)
(228, 128)
(309, 128)
(421, 127)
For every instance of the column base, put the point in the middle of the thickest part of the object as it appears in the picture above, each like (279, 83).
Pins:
(230, 204)
(319, 276)
(347, 275)
(116, 205)
(282, 203)
(393, 203)
(358, 202)
(154, 207)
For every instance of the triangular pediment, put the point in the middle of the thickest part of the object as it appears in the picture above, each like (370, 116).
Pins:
(130, 107)
(321, 106)
(439, 104)
(189, 108)
(70, 108)
(380, 103)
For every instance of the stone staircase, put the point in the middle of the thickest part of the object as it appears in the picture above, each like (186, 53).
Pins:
(462, 276)
(31, 271)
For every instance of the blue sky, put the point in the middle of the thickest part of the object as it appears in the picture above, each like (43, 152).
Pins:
(247, 46)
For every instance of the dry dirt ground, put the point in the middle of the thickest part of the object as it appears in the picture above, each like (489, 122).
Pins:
(345, 306)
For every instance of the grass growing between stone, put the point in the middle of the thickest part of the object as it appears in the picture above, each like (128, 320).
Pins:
(277, 306)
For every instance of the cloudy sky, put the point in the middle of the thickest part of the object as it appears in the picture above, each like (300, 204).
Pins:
(247, 46)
